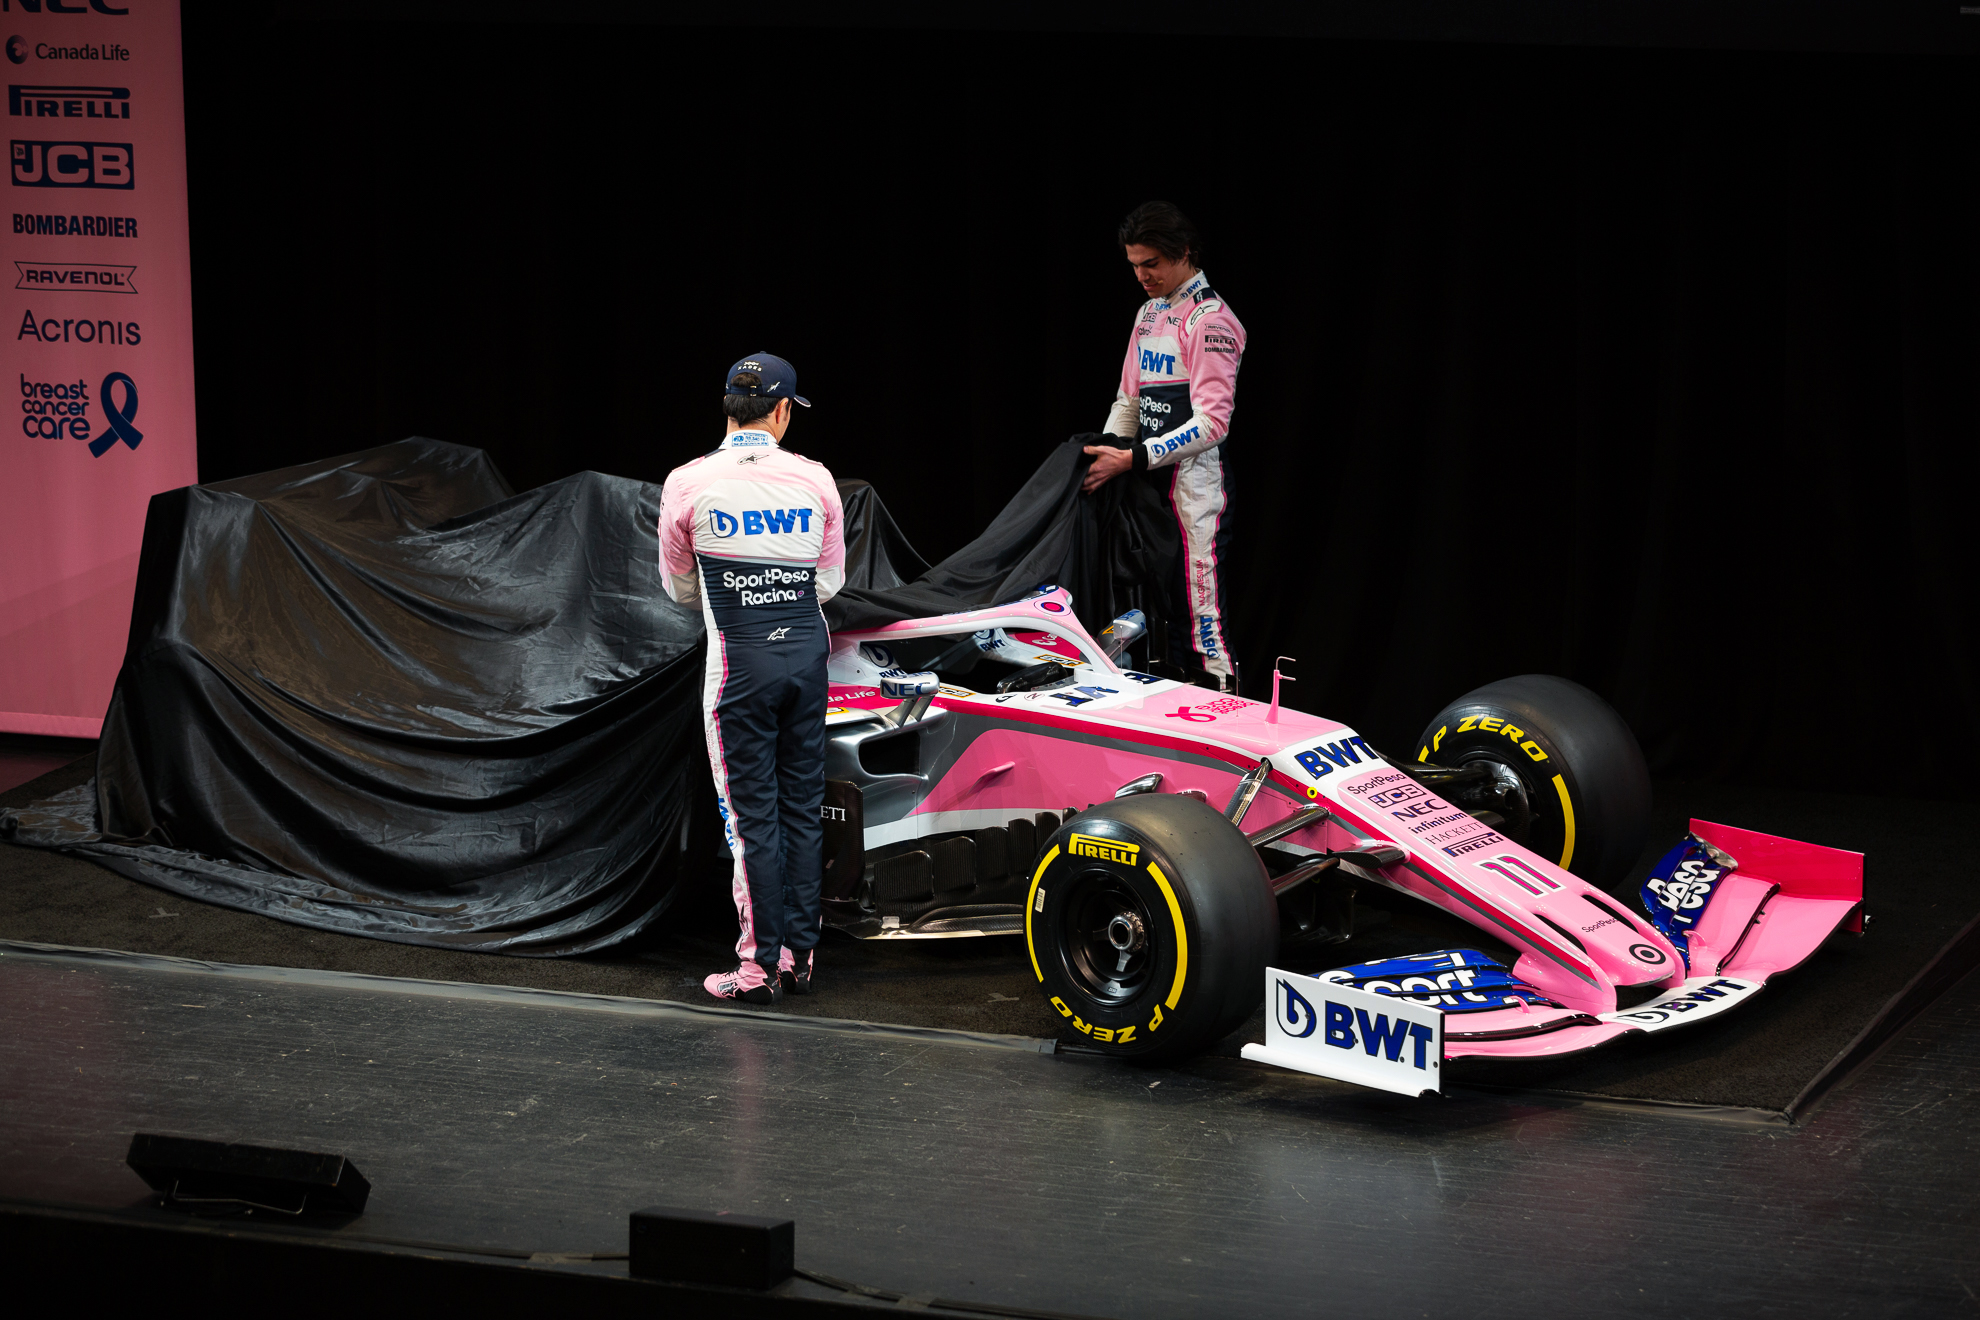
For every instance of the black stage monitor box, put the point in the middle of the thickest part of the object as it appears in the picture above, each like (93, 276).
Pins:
(191, 1172)
(699, 1246)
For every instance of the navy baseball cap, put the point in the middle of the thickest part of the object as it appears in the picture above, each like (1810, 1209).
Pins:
(778, 376)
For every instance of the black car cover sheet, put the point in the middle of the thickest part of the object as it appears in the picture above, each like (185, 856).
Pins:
(1114, 550)
(381, 695)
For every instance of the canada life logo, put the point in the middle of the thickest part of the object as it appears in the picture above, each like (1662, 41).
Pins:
(59, 410)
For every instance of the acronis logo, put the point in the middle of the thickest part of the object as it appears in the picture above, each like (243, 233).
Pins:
(755, 522)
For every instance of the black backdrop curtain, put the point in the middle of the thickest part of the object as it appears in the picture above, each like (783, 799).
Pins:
(1651, 368)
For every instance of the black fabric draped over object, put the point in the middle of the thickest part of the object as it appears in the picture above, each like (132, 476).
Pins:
(1114, 550)
(382, 695)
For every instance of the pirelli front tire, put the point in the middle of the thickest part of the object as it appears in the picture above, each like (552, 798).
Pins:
(1587, 790)
(1149, 922)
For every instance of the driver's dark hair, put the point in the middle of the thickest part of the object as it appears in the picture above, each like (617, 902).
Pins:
(741, 407)
(1162, 226)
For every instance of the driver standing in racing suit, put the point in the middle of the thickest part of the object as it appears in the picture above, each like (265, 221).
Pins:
(754, 534)
(1173, 413)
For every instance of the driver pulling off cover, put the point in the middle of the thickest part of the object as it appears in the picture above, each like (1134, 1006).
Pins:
(754, 534)
(1178, 388)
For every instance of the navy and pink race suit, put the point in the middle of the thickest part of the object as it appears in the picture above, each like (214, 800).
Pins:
(1178, 389)
(754, 533)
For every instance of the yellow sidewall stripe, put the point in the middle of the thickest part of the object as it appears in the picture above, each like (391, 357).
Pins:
(1175, 918)
(1567, 814)
(1182, 936)
(1030, 902)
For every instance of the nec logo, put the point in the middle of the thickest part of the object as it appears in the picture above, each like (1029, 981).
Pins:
(72, 165)
(755, 522)
(57, 7)
(1160, 364)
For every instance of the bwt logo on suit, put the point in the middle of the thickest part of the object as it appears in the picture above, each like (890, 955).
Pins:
(755, 522)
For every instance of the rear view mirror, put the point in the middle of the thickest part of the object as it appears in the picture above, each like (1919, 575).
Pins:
(1123, 631)
(915, 693)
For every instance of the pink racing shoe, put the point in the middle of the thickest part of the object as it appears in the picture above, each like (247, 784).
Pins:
(794, 971)
(748, 984)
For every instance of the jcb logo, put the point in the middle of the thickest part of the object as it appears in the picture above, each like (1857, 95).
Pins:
(72, 165)
(1106, 850)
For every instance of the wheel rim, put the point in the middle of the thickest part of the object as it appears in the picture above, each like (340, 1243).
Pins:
(1518, 806)
(1107, 941)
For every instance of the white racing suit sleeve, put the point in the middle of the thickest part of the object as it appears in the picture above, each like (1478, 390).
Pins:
(678, 572)
(831, 571)
(1124, 419)
(1212, 346)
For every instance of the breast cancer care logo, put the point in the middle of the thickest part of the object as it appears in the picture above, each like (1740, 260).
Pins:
(117, 420)
(56, 411)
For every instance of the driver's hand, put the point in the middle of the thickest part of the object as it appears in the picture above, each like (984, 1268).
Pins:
(1108, 463)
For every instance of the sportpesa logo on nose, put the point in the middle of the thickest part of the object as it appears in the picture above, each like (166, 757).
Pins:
(755, 522)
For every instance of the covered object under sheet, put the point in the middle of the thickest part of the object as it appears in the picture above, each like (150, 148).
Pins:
(380, 694)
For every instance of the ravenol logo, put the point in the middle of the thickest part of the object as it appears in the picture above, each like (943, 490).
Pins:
(1157, 364)
(755, 522)
(1107, 850)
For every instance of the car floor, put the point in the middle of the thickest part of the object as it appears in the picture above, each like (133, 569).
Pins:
(1918, 884)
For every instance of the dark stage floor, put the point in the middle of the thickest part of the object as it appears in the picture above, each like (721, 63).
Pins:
(1921, 887)
(26, 756)
(528, 1121)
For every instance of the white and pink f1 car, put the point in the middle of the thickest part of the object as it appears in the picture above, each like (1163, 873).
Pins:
(997, 771)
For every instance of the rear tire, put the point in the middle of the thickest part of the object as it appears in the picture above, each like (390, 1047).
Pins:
(1149, 922)
(1584, 776)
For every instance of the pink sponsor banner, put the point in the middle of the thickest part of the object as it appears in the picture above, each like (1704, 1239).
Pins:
(101, 361)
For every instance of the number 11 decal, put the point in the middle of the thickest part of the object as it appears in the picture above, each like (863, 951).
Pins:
(1532, 881)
